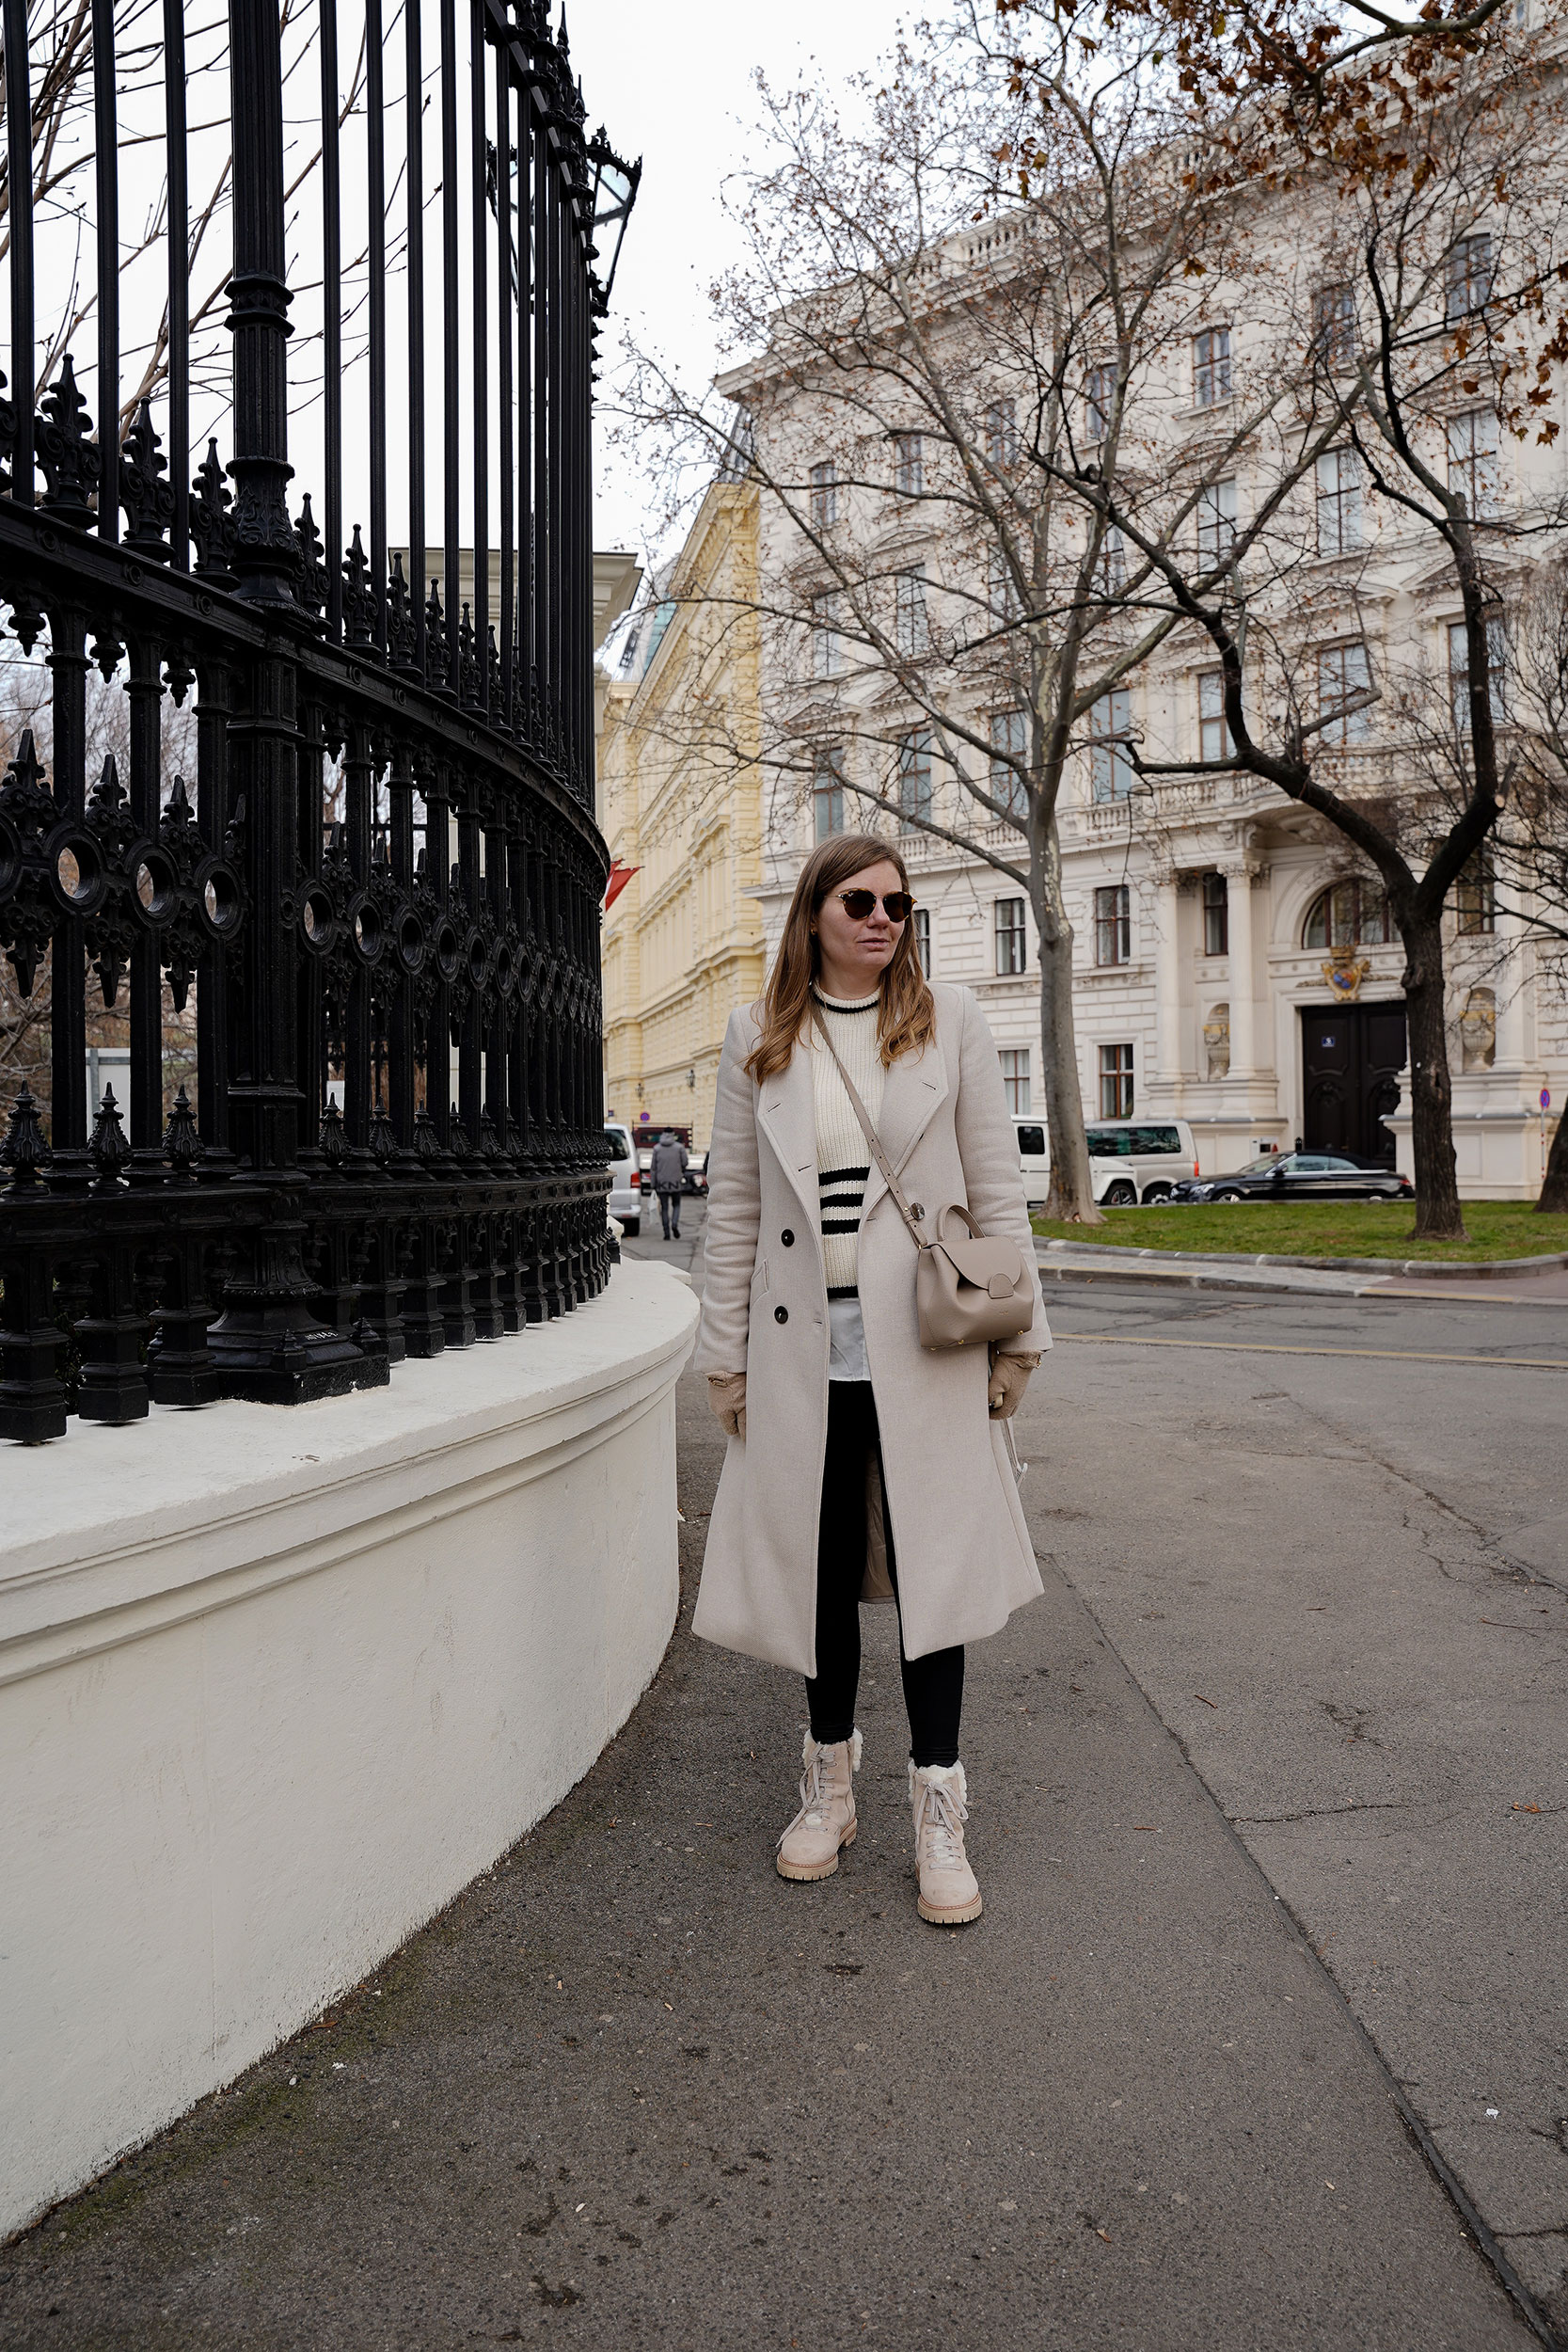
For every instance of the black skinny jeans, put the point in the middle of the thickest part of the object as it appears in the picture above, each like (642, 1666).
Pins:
(933, 1685)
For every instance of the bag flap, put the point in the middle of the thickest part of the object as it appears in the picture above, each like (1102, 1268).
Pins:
(985, 1260)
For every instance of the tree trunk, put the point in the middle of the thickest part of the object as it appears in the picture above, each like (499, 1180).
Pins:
(1070, 1197)
(1553, 1191)
(1438, 1214)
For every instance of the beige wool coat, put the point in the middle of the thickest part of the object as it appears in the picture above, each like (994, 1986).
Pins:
(965, 1561)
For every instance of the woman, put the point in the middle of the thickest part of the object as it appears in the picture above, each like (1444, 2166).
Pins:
(856, 1456)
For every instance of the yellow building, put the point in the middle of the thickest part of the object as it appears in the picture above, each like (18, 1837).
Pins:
(680, 800)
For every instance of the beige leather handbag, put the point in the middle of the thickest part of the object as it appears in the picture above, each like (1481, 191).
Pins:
(969, 1287)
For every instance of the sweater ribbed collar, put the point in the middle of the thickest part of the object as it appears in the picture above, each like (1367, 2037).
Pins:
(844, 1004)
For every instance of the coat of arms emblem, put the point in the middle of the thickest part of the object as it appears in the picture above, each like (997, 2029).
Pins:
(1345, 973)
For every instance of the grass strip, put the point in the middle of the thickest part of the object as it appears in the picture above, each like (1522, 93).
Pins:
(1328, 1228)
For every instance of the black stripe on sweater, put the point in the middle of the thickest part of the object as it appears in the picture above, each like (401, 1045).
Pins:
(843, 1175)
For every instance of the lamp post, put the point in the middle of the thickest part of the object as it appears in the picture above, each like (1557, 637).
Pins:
(615, 185)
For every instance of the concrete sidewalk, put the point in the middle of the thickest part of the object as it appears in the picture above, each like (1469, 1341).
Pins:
(1520, 1284)
(634, 2089)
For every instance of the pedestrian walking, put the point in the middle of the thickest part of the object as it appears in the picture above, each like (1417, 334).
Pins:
(862, 1464)
(668, 1171)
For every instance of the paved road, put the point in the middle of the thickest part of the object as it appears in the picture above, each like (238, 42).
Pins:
(632, 2089)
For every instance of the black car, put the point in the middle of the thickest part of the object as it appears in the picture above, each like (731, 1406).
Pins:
(1299, 1176)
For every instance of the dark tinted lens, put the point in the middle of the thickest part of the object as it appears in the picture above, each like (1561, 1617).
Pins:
(858, 903)
(897, 903)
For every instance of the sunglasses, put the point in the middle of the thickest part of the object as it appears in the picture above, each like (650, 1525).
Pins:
(857, 904)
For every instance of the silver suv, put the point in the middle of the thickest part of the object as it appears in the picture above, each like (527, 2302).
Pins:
(1139, 1159)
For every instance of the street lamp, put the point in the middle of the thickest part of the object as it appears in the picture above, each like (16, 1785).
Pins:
(615, 185)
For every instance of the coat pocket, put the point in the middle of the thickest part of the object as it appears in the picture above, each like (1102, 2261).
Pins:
(759, 1280)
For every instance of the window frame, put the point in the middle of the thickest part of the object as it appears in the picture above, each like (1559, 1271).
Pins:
(1117, 1081)
(1100, 388)
(1002, 434)
(1109, 759)
(1213, 745)
(1338, 503)
(1475, 894)
(1015, 1081)
(1466, 289)
(1009, 931)
(911, 614)
(1113, 926)
(1006, 787)
(826, 787)
(827, 642)
(1216, 912)
(1345, 729)
(1215, 518)
(908, 464)
(1212, 386)
(1365, 899)
(823, 493)
(921, 918)
(1473, 459)
(1335, 339)
(1496, 667)
(914, 770)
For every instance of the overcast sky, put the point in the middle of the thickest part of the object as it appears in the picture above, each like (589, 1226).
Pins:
(675, 86)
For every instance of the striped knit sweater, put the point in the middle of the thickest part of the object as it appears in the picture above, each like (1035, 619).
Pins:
(843, 1155)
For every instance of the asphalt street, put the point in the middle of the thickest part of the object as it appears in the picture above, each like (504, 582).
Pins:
(1259, 2043)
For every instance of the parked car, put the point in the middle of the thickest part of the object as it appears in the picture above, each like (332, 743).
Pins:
(1140, 1159)
(696, 1173)
(1301, 1176)
(1034, 1157)
(624, 1203)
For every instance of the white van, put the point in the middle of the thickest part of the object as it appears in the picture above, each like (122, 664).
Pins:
(1130, 1159)
(624, 1203)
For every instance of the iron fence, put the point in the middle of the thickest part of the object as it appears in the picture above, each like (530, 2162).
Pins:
(380, 888)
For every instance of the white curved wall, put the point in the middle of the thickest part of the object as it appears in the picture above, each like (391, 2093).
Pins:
(275, 1684)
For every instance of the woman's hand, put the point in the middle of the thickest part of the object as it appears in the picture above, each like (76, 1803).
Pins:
(1010, 1378)
(726, 1398)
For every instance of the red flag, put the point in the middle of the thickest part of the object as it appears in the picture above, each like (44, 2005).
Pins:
(619, 876)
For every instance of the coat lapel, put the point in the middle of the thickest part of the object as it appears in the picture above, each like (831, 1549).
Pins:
(916, 1084)
(786, 1112)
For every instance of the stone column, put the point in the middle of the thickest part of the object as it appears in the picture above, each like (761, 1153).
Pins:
(1244, 1050)
(1167, 983)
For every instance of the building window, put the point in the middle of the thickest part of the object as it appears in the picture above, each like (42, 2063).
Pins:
(1212, 366)
(1496, 672)
(1469, 278)
(1115, 1082)
(1214, 734)
(1349, 915)
(1109, 762)
(1113, 924)
(1099, 393)
(1334, 326)
(1216, 915)
(1015, 1078)
(1012, 941)
(1002, 434)
(922, 920)
(1343, 672)
(1112, 568)
(1004, 600)
(912, 628)
(909, 463)
(914, 773)
(827, 794)
(824, 492)
(1009, 737)
(827, 651)
(1473, 459)
(1338, 502)
(1475, 895)
(1216, 520)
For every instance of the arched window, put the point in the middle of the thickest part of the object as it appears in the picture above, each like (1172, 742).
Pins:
(1348, 915)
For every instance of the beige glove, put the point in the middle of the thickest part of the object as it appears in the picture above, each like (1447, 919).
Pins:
(726, 1397)
(1010, 1378)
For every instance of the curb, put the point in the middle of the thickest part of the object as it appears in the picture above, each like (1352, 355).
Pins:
(1426, 1269)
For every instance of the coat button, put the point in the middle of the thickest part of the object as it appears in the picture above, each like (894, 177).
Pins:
(781, 1315)
(787, 1238)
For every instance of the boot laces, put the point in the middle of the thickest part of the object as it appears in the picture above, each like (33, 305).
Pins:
(940, 1821)
(813, 1795)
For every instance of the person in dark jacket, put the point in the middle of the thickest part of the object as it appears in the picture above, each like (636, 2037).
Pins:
(668, 1171)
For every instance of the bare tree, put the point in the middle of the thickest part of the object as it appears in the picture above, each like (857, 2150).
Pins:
(1427, 311)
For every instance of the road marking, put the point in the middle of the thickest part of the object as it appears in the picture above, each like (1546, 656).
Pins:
(1275, 1347)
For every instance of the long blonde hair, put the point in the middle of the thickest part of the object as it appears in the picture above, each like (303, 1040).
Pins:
(906, 1017)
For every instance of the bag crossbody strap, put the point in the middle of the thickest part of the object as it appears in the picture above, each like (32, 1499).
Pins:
(872, 1138)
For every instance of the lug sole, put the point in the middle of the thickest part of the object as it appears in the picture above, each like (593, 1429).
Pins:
(807, 1873)
(958, 1916)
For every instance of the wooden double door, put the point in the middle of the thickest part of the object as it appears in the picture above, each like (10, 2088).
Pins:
(1351, 1055)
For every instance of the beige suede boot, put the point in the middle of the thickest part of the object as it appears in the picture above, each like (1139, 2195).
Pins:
(809, 1847)
(949, 1891)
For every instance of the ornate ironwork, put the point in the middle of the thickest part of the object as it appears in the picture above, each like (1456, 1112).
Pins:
(373, 913)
